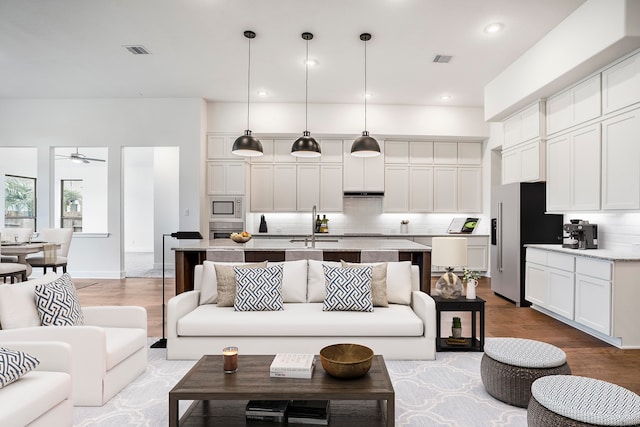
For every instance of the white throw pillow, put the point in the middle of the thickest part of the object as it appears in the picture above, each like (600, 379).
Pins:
(209, 284)
(17, 303)
(399, 282)
(294, 280)
(348, 289)
(316, 283)
(258, 289)
(14, 364)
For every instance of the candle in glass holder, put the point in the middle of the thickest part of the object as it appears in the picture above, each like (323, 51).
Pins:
(230, 359)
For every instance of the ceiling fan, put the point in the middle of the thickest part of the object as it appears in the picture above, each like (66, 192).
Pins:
(79, 158)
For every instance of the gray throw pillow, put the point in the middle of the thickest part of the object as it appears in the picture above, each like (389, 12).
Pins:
(226, 278)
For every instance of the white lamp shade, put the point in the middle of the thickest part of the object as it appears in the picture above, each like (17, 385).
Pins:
(449, 251)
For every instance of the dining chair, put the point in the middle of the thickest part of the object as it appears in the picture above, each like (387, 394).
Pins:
(50, 258)
(374, 255)
(225, 255)
(15, 234)
(297, 254)
(12, 270)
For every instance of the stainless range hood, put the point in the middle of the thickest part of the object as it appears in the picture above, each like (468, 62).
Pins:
(371, 194)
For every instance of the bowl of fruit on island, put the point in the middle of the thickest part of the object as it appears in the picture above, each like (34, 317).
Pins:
(243, 237)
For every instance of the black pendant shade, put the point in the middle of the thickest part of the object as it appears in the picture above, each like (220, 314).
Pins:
(248, 145)
(306, 146)
(365, 146)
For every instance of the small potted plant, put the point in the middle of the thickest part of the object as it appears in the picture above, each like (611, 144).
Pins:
(456, 328)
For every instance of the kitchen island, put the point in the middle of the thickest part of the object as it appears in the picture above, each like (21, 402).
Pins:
(255, 250)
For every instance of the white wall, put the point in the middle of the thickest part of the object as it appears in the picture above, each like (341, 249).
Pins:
(111, 123)
(138, 199)
(598, 32)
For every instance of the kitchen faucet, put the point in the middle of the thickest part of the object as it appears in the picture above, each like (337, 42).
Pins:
(313, 227)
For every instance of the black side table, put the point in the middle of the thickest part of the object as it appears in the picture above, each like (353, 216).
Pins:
(460, 304)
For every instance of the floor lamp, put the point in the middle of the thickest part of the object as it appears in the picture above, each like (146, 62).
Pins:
(194, 235)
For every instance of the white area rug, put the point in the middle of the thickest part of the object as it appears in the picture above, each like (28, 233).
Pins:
(444, 392)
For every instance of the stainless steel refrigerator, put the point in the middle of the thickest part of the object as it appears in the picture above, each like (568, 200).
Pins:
(518, 218)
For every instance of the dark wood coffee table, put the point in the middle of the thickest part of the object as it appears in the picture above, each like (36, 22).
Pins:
(220, 398)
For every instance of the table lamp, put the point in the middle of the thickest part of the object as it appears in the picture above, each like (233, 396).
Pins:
(449, 252)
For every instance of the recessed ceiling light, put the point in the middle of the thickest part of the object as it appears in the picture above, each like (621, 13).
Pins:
(311, 62)
(262, 93)
(494, 28)
(445, 98)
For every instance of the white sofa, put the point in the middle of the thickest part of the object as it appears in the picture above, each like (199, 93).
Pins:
(109, 350)
(400, 331)
(41, 397)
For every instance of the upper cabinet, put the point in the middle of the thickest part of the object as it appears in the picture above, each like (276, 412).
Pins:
(621, 84)
(526, 125)
(225, 171)
(574, 106)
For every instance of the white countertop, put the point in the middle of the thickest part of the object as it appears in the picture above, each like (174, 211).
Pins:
(607, 254)
(284, 235)
(339, 245)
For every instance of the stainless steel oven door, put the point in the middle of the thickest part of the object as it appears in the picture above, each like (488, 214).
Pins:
(222, 229)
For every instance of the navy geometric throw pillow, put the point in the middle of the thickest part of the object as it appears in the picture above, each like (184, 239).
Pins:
(258, 289)
(348, 289)
(14, 364)
(58, 303)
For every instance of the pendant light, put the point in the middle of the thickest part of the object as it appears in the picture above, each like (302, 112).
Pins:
(365, 146)
(248, 145)
(306, 145)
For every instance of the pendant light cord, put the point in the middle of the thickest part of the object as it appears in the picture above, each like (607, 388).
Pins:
(306, 89)
(248, 83)
(365, 85)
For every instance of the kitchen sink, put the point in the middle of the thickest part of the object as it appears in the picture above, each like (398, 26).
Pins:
(309, 240)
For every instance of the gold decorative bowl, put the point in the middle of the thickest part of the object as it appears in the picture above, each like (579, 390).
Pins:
(346, 360)
(238, 238)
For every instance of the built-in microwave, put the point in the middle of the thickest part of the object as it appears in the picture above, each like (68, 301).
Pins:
(226, 207)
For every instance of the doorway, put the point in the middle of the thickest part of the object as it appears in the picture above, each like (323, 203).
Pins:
(150, 208)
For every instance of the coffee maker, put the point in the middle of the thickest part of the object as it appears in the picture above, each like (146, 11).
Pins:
(582, 235)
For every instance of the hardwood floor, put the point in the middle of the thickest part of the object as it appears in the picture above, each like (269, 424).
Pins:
(587, 356)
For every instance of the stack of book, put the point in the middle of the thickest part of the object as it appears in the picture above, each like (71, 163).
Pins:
(267, 410)
(314, 412)
(292, 365)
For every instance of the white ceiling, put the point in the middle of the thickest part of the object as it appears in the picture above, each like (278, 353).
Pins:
(74, 48)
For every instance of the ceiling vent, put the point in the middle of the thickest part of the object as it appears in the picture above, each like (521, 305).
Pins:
(137, 50)
(442, 59)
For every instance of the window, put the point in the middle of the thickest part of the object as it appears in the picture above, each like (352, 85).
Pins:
(19, 202)
(71, 204)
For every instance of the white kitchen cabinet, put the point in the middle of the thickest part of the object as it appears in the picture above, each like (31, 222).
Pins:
(573, 170)
(524, 163)
(362, 174)
(525, 125)
(549, 281)
(219, 147)
(560, 292)
(536, 284)
(282, 151)
(285, 184)
(445, 189)
(308, 188)
(621, 162)
(225, 178)
(331, 152)
(420, 189)
(445, 153)
(469, 153)
(261, 188)
(396, 152)
(421, 152)
(267, 152)
(331, 195)
(621, 84)
(397, 191)
(574, 106)
(469, 194)
(593, 303)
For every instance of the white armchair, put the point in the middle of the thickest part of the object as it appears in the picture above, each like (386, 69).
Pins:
(109, 350)
(43, 396)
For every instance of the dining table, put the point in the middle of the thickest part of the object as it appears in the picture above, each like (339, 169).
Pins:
(21, 250)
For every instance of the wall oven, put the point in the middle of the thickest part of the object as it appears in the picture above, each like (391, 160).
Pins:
(226, 208)
(222, 229)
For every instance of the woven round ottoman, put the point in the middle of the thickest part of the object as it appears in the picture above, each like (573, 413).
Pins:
(510, 365)
(568, 401)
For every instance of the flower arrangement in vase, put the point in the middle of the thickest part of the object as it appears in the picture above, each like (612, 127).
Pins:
(471, 277)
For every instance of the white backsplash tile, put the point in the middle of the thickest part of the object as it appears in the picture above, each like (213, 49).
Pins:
(361, 215)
